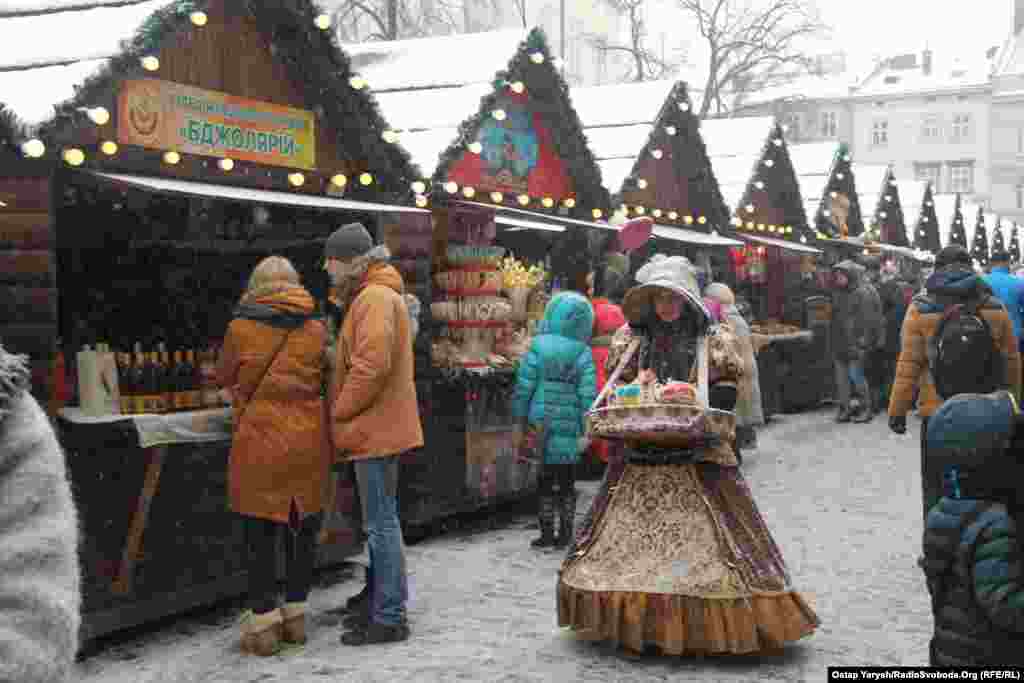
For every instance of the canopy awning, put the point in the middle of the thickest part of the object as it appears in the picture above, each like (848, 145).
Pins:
(694, 237)
(515, 224)
(245, 194)
(539, 217)
(782, 244)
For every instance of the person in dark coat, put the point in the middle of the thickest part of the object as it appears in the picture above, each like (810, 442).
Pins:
(972, 548)
(892, 291)
(855, 331)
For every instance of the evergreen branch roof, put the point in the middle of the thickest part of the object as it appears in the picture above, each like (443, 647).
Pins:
(841, 181)
(891, 227)
(689, 160)
(314, 61)
(549, 95)
(777, 204)
(979, 248)
(957, 229)
(926, 231)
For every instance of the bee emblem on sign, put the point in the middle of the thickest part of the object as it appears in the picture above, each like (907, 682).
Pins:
(144, 111)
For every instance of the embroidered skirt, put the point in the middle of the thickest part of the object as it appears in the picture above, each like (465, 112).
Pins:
(677, 556)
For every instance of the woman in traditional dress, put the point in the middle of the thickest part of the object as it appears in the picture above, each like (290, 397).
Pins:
(674, 553)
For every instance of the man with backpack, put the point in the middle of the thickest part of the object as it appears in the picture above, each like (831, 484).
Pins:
(957, 338)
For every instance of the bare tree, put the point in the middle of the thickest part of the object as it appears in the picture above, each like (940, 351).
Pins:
(750, 43)
(366, 20)
(520, 8)
(646, 63)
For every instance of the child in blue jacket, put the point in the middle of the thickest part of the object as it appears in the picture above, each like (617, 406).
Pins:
(555, 387)
(972, 553)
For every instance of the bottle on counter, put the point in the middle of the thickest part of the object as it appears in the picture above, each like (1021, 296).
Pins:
(59, 393)
(139, 403)
(191, 380)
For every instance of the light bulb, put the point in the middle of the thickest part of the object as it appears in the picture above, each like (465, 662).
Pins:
(833, 194)
(537, 58)
(760, 226)
(884, 214)
(518, 87)
(339, 180)
(777, 142)
(451, 187)
(656, 213)
(702, 220)
(771, 228)
(557, 62)
(390, 136)
(569, 203)
(803, 239)
(888, 198)
(523, 199)
(171, 158)
(737, 221)
(198, 18)
(109, 148)
(499, 114)
(640, 211)
(840, 175)
(296, 179)
(226, 164)
(99, 115)
(750, 208)
(673, 215)
(596, 213)
(642, 184)
(323, 21)
(684, 106)
(476, 147)
(671, 130)
(421, 201)
(365, 179)
(548, 202)
(759, 184)
(419, 187)
(826, 213)
(497, 197)
(750, 225)
(657, 153)
(357, 82)
(74, 156)
(33, 148)
(468, 192)
(769, 163)
(150, 63)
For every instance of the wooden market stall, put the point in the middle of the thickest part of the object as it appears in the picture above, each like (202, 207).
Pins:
(220, 133)
(776, 271)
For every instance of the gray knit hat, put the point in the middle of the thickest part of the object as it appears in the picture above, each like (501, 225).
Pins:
(348, 241)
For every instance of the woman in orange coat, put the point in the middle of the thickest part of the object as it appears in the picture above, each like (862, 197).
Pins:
(272, 364)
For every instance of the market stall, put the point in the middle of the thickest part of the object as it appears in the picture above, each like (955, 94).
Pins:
(777, 272)
(219, 134)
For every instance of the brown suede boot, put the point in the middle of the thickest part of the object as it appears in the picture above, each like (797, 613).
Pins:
(293, 615)
(261, 633)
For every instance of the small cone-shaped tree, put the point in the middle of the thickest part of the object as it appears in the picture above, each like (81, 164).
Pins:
(997, 236)
(1014, 245)
(890, 226)
(839, 212)
(979, 249)
(926, 234)
(771, 204)
(958, 231)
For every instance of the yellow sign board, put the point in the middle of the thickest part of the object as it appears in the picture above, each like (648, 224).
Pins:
(164, 115)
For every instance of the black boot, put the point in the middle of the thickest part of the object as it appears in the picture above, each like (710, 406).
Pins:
(567, 517)
(843, 415)
(546, 518)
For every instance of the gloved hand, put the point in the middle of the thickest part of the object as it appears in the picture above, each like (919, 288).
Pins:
(898, 424)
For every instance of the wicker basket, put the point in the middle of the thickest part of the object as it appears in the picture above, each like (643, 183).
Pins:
(672, 425)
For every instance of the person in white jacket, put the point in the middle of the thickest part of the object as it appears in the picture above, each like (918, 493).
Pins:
(40, 585)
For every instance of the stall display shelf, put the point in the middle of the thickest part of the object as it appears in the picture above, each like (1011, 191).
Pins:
(470, 293)
(474, 324)
(473, 268)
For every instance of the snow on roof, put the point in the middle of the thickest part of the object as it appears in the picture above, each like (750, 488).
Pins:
(426, 147)
(435, 62)
(71, 36)
(805, 88)
(953, 74)
(11, 7)
(33, 94)
(812, 162)
(620, 104)
(426, 109)
(618, 141)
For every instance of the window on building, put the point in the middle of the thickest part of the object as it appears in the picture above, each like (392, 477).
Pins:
(929, 173)
(930, 130)
(961, 131)
(1020, 196)
(961, 176)
(829, 124)
(880, 133)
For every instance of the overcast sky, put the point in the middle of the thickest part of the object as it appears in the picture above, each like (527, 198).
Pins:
(886, 27)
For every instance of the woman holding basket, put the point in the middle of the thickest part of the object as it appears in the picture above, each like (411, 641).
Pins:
(674, 553)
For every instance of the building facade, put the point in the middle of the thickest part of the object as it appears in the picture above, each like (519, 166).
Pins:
(1007, 119)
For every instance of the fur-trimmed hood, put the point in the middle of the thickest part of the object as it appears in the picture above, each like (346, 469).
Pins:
(15, 379)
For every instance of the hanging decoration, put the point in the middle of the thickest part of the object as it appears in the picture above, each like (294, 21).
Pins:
(839, 213)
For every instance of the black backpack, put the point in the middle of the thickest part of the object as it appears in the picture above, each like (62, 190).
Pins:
(962, 355)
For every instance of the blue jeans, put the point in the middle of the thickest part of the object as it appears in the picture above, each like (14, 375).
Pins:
(377, 479)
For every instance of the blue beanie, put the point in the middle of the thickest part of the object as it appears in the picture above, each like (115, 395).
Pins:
(973, 427)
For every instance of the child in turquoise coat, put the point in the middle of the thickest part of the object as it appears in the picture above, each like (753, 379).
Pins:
(555, 387)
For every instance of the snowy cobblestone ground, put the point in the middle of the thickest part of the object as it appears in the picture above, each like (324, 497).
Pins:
(842, 500)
